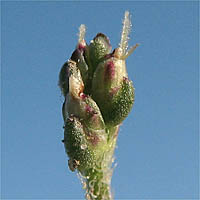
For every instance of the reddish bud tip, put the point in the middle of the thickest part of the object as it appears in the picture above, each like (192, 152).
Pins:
(81, 46)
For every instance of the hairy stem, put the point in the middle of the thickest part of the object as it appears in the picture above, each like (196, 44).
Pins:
(98, 178)
(98, 185)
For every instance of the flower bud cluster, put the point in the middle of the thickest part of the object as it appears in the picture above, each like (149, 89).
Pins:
(98, 97)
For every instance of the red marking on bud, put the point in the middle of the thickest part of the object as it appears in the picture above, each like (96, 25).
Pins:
(114, 91)
(125, 79)
(83, 96)
(81, 90)
(110, 70)
(93, 138)
(81, 47)
(88, 109)
(95, 119)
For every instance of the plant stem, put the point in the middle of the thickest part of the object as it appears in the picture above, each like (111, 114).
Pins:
(98, 185)
(98, 178)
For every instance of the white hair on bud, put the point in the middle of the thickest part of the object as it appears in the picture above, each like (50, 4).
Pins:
(123, 51)
(129, 52)
(81, 35)
(125, 33)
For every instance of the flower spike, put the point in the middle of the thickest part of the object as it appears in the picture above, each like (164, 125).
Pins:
(98, 97)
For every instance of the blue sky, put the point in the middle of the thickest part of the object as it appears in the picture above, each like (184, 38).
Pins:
(157, 153)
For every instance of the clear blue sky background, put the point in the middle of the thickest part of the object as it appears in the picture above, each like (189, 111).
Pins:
(157, 152)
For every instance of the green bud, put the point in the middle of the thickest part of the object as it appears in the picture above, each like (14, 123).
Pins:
(76, 145)
(120, 102)
(111, 89)
(98, 48)
(109, 74)
(79, 104)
